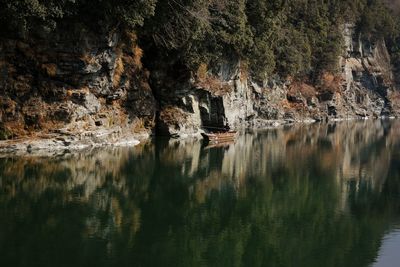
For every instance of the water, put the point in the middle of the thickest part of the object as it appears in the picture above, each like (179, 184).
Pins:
(319, 195)
(389, 253)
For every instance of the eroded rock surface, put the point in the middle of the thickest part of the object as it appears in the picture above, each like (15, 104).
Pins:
(227, 95)
(76, 84)
(78, 88)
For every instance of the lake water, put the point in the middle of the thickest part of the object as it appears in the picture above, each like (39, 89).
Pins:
(317, 195)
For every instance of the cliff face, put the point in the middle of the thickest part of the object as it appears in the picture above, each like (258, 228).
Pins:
(93, 88)
(74, 82)
(227, 95)
(368, 78)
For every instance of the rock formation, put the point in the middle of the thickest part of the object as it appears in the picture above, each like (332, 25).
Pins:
(76, 87)
(227, 95)
(77, 84)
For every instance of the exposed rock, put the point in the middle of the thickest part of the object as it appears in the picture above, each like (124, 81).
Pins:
(79, 82)
(227, 96)
(175, 122)
(74, 80)
(68, 141)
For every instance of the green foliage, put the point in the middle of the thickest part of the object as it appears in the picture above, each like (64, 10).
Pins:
(296, 38)
(5, 134)
(376, 20)
(23, 15)
(128, 13)
(26, 15)
(380, 22)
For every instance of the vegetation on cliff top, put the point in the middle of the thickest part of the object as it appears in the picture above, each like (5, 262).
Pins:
(298, 37)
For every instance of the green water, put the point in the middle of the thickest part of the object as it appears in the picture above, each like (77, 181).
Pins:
(318, 195)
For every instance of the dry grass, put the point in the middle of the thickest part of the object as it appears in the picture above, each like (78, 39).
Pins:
(137, 57)
(131, 36)
(210, 83)
(201, 73)
(394, 97)
(26, 50)
(304, 89)
(244, 71)
(3, 63)
(172, 115)
(285, 104)
(69, 93)
(133, 53)
(119, 70)
(330, 82)
(17, 128)
(83, 89)
(138, 126)
(50, 69)
(87, 59)
(214, 86)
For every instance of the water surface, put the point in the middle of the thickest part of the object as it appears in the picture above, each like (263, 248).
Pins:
(318, 195)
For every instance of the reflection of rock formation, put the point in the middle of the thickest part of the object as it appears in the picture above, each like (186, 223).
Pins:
(356, 153)
(268, 184)
(84, 172)
(101, 179)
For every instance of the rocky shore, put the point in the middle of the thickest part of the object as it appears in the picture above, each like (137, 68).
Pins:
(75, 89)
(53, 144)
(59, 144)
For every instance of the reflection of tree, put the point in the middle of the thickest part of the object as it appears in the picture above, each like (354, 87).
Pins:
(321, 195)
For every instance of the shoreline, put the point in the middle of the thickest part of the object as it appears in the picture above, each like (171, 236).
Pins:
(62, 143)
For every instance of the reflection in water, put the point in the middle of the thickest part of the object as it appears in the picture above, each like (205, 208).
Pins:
(389, 253)
(319, 195)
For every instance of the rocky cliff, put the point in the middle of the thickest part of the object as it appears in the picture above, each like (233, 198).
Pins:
(226, 95)
(75, 84)
(76, 87)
